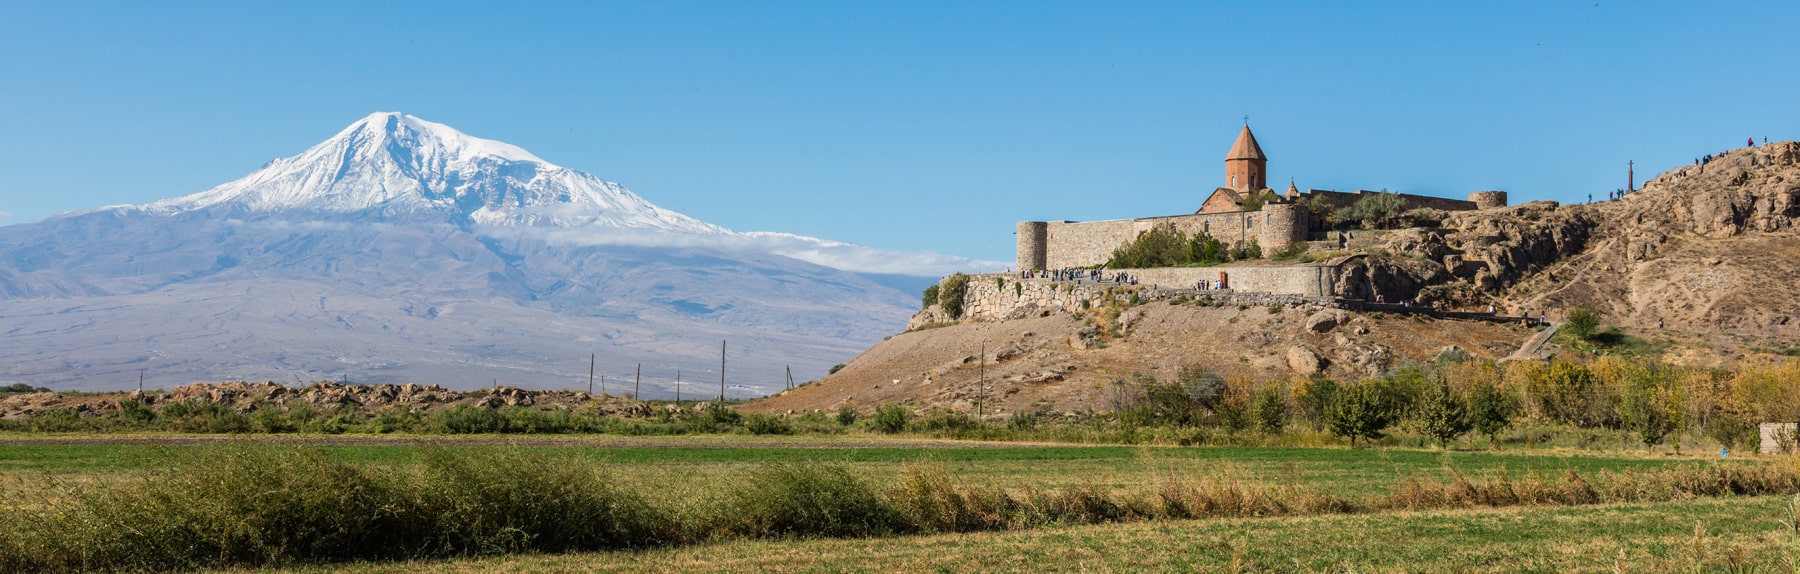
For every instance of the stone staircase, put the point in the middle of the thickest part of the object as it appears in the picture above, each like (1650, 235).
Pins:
(1535, 345)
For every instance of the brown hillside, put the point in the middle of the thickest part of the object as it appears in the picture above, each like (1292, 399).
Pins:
(1039, 362)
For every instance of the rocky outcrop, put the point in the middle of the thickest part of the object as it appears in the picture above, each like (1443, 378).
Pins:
(1304, 361)
(1325, 321)
(247, 397)
(1713, 247)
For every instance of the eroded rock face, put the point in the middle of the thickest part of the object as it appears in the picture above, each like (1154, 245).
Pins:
(1387, 278)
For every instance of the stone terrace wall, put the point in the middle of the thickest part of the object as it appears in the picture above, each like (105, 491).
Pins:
(998, 296)
(995, 297)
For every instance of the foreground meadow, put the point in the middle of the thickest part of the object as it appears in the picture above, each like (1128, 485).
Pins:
(746, 503)
(1749, 534)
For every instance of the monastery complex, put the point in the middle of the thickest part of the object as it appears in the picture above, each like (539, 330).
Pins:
(1245, 210)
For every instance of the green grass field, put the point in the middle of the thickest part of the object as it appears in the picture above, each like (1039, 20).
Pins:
(694, 477)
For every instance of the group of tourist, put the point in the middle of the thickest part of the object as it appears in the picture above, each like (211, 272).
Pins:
(1096, 275)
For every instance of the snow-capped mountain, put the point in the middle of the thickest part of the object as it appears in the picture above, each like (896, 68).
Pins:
(400, 165)
(404, 250)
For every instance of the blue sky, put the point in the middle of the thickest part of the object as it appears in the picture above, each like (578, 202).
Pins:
(900, 125)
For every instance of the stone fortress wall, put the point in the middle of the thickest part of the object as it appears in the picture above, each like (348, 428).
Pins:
(1079, 244)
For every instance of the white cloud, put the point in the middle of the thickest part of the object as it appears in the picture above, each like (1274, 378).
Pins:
(834, 254)
(5, 214)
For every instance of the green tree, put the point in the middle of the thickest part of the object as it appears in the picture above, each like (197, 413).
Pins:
(1730, 426)
(1358, 412)
(1562, 392)
(1490, 411)
(1582, 323)
(1165, 246)
(1270, 409)
(1441, 414)
(931, 296)
(1640, 412)
(1314, 398)
(950, 294)
(1375, 211)
(1255, 200)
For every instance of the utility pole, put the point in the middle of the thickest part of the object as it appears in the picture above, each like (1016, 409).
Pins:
(790, 377)
(721, 372)
(591, 373)
(981, 383)
(678, 387)
(1631, 175)
(638, 385)
(602, 384)
(140, 380)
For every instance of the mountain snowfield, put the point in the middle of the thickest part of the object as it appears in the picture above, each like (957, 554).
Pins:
(402, 250)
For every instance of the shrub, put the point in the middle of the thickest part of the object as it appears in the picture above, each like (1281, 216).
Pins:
(806, 500)
(225, 507)
(468, 419)
(765, 424)
(890, 419)
(931, 296)
(1023, 421)
(946, 422)
(1290, 252)
(1270, 409)
(835, 369)
(950, 294)
(846, 415)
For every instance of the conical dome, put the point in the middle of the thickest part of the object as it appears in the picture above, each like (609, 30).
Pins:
(1246, 147)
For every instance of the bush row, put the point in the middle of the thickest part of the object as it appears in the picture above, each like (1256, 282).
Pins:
(235, 507)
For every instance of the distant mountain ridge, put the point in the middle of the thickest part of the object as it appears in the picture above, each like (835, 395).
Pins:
(401, 250)
(399, 165)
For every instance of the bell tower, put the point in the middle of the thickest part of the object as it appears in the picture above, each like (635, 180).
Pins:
(1246, 168)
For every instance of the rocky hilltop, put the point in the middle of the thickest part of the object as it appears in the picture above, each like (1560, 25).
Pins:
(1704, 248)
